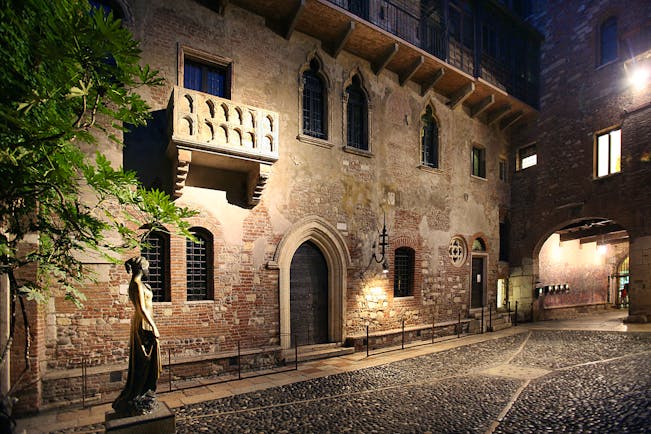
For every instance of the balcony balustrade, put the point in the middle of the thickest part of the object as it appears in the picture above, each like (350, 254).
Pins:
(219, 133)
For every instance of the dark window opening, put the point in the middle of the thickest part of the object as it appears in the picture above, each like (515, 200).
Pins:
(357, 116)
(479, 162)
(403, 276)
(314, 102)
(156, 252)
(608, 40)
(199, 266)
(504, 242)
(430, 139)
(502, 168)
(212, 79)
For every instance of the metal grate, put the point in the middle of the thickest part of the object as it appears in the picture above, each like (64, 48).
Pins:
(313, 105)
(430, 139)
(197, 267)
(155, 252)
(357, 113)
(403, 276)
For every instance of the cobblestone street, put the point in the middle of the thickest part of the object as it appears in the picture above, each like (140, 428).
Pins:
(579, 376)
(540, 381)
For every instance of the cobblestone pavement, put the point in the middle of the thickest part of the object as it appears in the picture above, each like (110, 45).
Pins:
(540, 381)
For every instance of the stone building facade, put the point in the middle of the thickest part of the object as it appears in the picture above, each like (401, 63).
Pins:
(591, 54)
(420, 115)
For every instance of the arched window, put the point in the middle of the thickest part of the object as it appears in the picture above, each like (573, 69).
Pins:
(478, 245)
(199, 265)
(156, 251)
(314, 102)
(107, 6)
(403, 275)
(608, 40)
(429, 137)
(357, 116)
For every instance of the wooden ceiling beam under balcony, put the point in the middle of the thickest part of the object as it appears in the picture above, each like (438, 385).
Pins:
(511, 120)
(293, 19)
(497, 114)
(460, 95)
(483, 105)
(386, 58)
(431, 83)
(344, 37)
(407, 74)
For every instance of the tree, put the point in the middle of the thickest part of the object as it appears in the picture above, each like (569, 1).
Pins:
(69, 80)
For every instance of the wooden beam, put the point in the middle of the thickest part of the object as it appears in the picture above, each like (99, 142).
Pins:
(594, 231)
(460, 95)
(479, 108)
(511, 120)
(293, 19)
(336, 49)
(386, 58)
(438, 74)
(498, 114)
(612, 237)
(411, 71)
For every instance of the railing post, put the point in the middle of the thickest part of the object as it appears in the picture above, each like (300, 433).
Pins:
(490, 317)
(169, 366)
(403, 334)
(83, 382)
(433, 327)
(459, 326)
(239, 362)
(516, 314)
(482, 319)
(295, 353)
(367, 341)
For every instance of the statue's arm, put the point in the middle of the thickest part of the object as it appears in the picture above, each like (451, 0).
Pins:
(145, 312)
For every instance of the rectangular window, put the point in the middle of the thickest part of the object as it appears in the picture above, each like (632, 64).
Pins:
(210, 79)
(502, 168)
(527, 157)
(609, 153)
(403, 277)
(479, 162)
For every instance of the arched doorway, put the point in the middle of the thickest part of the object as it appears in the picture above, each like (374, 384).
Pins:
(308, 298)
(317, 233)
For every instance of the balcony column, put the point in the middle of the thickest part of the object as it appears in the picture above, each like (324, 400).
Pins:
(446, 31)
(478, 17)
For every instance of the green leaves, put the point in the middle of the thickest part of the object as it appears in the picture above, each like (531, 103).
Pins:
(69, 81)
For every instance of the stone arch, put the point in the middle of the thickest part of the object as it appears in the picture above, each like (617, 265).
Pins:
(333, 247)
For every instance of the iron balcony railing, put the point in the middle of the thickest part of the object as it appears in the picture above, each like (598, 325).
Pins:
(406, 20)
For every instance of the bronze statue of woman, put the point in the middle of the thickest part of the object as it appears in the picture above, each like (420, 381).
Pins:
(138, 395)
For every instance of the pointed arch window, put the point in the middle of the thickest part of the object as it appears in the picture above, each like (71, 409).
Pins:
(199, 265)
(156, 251)
(314, 102)
(429, 137)
(357, 116)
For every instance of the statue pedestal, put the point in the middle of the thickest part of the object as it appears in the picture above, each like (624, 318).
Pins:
(159, 421)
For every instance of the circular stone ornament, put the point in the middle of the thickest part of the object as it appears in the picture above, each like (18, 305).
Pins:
(457, 251)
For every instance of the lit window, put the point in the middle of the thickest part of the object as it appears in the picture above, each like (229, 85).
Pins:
(609, 153)
(199, 265)
(527, 156)
(403, 276)
(608, 41)
(429, 139)
(479, 162)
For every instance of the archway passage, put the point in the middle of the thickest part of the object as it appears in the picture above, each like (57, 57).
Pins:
(578, 268)
(309, 296)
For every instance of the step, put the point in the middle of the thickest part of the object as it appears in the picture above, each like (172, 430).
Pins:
(317, 352)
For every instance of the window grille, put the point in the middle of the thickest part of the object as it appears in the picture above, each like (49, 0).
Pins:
(403, 276)
(430, 139)
(357, 113)
(314, 112)
(155, 252)
(197, 256)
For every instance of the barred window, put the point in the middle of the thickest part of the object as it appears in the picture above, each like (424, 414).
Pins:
(403, 276)
(430, 139)
(156, 252)
(357, 116)
(314, 102)
(199, 265)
